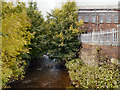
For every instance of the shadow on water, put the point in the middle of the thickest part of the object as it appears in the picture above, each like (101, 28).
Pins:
(45, 74)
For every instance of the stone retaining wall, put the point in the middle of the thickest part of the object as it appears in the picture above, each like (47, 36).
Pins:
(95, 54)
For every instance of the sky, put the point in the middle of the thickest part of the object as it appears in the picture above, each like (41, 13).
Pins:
(48, 5)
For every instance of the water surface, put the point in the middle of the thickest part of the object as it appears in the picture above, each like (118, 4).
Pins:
(45, 74)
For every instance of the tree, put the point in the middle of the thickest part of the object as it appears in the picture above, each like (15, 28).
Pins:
(15, 40)
(36, 20)
(63, 31)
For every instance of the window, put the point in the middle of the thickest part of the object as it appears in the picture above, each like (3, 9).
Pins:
(108, 19)
(115, 19)
(80, 18)
(101, 19)
(93, 18)
(86, 18)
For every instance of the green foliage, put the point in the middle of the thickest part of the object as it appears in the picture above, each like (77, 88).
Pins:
(37, 28)
(62, 37)
(15, 40)
(0, 64)
(83, 76)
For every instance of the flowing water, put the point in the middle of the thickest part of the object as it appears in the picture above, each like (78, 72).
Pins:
(45, 74)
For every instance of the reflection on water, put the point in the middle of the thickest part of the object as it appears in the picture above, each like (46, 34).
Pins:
(45, 74)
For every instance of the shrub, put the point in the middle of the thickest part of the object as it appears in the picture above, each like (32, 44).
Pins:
(84, 76)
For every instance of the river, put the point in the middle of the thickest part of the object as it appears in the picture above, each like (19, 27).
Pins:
(45, 74)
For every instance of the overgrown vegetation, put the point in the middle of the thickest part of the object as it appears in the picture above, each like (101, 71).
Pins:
(15, 40)
(63, 31)
(84, 76)
(26, 36)
(37, 27)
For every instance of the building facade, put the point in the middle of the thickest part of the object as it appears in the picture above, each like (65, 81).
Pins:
(97, 18)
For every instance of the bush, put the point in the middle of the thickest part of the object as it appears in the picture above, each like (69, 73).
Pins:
(84, 76)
